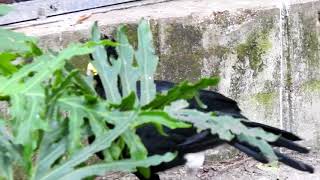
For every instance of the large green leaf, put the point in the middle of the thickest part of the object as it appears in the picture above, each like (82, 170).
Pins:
(99, 144)
(51, 149)
(159, 117)
(123, 165)
(6, 166)
(226, 127)
(147, 62)
(11, 41)
(42, 69)
(184, 90)
(6, 143)
(129, 74)
(25, 112)
(26, 121)
(108, 74)
(76, 120)
(136, 147)
(9, 154)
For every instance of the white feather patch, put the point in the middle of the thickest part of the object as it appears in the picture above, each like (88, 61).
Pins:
(194, 160)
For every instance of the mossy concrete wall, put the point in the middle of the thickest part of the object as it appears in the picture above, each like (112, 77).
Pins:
(266, 52)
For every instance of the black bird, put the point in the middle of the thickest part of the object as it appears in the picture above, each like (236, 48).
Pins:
(188, 140)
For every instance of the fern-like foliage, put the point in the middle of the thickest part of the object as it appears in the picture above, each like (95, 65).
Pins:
(54, 109)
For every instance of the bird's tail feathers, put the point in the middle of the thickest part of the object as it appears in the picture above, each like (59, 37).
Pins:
(277, 131)
(256, 154)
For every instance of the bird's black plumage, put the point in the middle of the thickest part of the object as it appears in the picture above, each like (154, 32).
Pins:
(188, 140)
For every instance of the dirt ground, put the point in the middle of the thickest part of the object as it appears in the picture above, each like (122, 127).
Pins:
(240, 167)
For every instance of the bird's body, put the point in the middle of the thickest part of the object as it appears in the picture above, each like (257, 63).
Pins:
(188, 140)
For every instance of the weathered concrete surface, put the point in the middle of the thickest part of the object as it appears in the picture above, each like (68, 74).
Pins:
(236, 168)
(266, 52)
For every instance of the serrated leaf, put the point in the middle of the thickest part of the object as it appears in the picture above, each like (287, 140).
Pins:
(126, 104)
(183, 90)
(6, 166)
(263, 146)
(76, 119)
(99, 144)
(26, 114)
(43, 67)
(6, 68)
(7, 144)
(159, 117)
(11, 41)
(98, 128)
(104, 42)
(82, 81)
(116, 149)
(34, 49)
(123, 165)
(226, 127)
(49, 151)
(108, 74)
(147, 62)
(135, 145)
(129, 74)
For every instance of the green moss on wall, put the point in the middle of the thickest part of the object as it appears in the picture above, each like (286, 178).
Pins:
(184, 54)
(311, 46)
(310, 41)
(311, 86)
(256, 45)
(81, 62)
(132, 34)
(265, 98)
(220, 51)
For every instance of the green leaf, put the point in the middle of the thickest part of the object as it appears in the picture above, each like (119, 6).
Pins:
(263, 146)
(98, 128)
(5, 9)
(108, 74)
(42, 68)
(76, 120)
(82, 81)
(50, 150)
(6, 68)
(7, 144)
(147, 62)
(226, 127)
(34, 49)
(116, 149)
(126, 104)
(123, 165)
(183, 90)
(11, 41)
(129, 74)
(159, 117)
(9, 152)
(99, 144)
(6, 166)
(104, 42)
(136, 147)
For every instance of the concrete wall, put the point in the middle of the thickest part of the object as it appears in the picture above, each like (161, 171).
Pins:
(266, 52)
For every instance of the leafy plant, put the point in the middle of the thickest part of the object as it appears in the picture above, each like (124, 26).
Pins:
(54, 108)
